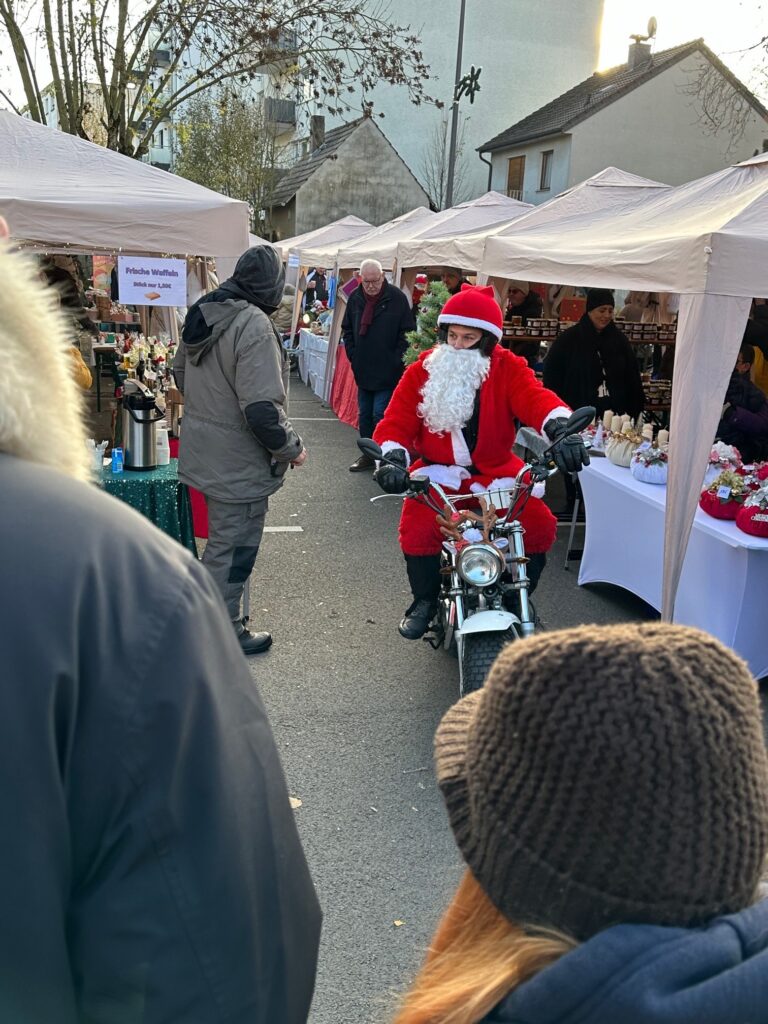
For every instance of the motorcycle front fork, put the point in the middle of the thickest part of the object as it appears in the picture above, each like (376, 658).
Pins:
(520, 575)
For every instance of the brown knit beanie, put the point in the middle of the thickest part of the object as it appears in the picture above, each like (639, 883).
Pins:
(610, 774)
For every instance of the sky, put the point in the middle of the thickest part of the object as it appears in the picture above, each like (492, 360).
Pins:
(726, 28)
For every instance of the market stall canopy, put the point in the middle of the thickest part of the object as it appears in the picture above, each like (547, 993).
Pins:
(708, 240)
(61, 192)
(609, 189)
(437, 242)
(707, 235)
(381, 243)
(337, 231)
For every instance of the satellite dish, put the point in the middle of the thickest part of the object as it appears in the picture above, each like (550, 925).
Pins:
(652, 27)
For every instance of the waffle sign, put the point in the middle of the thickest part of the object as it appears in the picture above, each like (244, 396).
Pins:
(147, 281)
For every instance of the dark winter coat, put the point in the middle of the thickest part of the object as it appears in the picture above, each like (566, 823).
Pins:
(644, 974)
(582, 358)
(529, 308)
(745, 423)
(150, 869)
(377, 356)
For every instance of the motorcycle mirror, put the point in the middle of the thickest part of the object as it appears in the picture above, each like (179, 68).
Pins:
(580, 419)
(369, 447)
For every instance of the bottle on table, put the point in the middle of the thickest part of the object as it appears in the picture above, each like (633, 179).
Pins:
(117, 460)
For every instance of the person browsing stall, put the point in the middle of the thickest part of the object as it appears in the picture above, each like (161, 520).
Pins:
(744, 420)
(453, 279)
(237, 442)
(375, 323)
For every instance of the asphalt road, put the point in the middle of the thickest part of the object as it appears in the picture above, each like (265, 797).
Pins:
(354, 708)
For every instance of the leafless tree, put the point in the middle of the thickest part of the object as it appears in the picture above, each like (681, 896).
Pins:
(434, 165)
(722, 105)
(225, 143)
(145, 59)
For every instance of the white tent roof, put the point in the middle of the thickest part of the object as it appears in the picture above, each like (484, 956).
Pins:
(609, 189)
(708, 240)
(381, 243)
(710, 235)
(434, 243)
(58, 191)
(337, 231)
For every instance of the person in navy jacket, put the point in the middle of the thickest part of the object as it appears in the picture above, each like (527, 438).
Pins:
(608, 791)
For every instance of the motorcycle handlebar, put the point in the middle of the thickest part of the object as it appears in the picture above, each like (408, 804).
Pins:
(539, 470)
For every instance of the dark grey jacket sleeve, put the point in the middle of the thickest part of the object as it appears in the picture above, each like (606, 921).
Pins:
(179, 365)
(261, 391)
(347, 333)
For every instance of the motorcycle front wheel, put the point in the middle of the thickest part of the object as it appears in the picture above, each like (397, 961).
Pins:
(478, 653)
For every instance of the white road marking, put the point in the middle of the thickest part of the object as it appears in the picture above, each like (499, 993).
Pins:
(283, 529)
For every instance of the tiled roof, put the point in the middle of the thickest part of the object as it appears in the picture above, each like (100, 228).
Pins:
(296, 176)
(600, 89)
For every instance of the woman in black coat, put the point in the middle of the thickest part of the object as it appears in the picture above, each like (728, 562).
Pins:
(592, 363)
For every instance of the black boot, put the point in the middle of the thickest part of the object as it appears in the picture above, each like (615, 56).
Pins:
(424, 578)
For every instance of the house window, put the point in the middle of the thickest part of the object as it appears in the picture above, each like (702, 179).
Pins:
(162, 138)
(515, 174)
(545, 181)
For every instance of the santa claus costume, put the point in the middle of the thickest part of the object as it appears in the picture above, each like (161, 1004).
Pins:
(456, 409)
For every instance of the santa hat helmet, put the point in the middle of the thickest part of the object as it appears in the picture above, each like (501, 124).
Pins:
(474, 307)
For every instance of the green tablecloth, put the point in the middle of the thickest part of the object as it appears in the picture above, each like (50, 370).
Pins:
(158, 495)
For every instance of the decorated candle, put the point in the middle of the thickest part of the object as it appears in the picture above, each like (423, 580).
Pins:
(616, 425)
(663, 438)
(608, 419)
(626, 422)
(648, 432)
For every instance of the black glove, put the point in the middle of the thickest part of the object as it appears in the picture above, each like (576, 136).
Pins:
(569, 451)
(393, 479)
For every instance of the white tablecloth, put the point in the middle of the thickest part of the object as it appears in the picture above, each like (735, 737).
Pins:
(724, 582)
(313, 354)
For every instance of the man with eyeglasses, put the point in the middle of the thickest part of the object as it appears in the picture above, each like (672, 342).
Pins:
(375, 323)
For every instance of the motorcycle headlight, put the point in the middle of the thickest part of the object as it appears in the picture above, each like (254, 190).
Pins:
(480, 565)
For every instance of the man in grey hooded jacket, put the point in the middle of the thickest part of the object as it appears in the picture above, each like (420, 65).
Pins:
(236, 439)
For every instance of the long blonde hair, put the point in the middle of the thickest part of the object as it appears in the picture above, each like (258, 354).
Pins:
(475, 959)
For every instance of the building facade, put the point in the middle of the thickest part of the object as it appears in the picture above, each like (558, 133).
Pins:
(644, 116)
(528, 53)
(352, 170)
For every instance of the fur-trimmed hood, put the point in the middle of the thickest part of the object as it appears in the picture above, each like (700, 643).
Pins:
(41, 410)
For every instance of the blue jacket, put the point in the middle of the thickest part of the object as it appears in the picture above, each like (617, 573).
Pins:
(644, 974)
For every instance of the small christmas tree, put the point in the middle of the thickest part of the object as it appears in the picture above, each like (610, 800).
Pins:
(425, 335)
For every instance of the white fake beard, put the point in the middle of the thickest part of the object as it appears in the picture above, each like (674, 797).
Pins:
(453, 377)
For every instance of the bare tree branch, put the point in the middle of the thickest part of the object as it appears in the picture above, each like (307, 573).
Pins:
(434, 166)
(339, 50)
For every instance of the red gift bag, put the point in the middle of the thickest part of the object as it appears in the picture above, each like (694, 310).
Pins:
(713, 506)
(753, 519)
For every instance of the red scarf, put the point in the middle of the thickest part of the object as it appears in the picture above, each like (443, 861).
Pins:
(371, 301)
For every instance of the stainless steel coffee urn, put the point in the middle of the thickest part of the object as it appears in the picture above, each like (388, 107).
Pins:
(140, 414)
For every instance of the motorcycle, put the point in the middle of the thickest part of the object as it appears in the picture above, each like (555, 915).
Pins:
(483, 602)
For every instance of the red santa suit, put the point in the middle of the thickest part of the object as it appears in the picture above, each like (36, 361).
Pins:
(509, 392)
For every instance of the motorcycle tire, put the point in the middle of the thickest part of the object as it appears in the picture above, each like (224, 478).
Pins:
(478, 653)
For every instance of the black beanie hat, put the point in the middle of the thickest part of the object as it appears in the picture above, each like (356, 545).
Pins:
(609, 775)
(599, 297)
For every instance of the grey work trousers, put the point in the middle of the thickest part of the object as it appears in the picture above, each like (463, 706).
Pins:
(234, 536)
